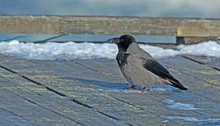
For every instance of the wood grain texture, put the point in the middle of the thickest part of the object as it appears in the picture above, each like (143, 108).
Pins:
(155, 26)
(89, 92)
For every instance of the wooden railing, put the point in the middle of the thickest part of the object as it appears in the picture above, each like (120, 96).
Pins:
(187, 30)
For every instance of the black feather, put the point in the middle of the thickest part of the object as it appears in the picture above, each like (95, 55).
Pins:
(122, 58)
(162, 72)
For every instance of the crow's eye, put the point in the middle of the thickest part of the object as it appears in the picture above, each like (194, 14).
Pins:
(122, 40)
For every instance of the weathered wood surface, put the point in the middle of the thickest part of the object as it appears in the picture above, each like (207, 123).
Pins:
(192, 40)
(90, 92)
(110, 25)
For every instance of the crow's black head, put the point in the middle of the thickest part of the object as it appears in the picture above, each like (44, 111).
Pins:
(123, 41)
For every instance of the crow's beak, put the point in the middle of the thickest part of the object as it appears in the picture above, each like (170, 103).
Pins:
(114, 40)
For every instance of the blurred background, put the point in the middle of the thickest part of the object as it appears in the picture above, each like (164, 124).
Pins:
(152, 8)
(146, 8)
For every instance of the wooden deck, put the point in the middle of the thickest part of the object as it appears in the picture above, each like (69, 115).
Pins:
(90, 93)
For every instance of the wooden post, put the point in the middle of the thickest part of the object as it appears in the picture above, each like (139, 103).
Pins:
(193, 40)
(196, 33)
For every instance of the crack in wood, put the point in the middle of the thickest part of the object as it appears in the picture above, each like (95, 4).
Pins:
(105, 114)
(127, 103)
(33, 81)
(5, 108)
(186, 57)
(112, 117)
(7, 69)
(80, 103)
(56, 92)
(199, 62)
(218, 69)
(87, 67)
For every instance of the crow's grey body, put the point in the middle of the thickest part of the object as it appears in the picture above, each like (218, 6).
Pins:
(139, 67)
(131, 64)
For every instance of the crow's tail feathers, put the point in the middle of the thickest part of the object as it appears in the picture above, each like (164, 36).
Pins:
(177, 84)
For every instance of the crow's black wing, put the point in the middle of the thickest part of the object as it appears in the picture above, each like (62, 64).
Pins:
(153, 66)
(156, 68)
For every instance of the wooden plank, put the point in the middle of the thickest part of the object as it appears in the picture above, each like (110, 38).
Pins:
(145, 103)
(201, 30)
(197, 76)
(61, 106)
(184, 96)
(88, 95)
(212, 62)
(96, 90)
(58, 104)
(211, 69)
(194, 71)
(155, 26)
(19, 111)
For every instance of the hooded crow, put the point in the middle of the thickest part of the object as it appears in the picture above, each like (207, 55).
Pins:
(139, 67)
